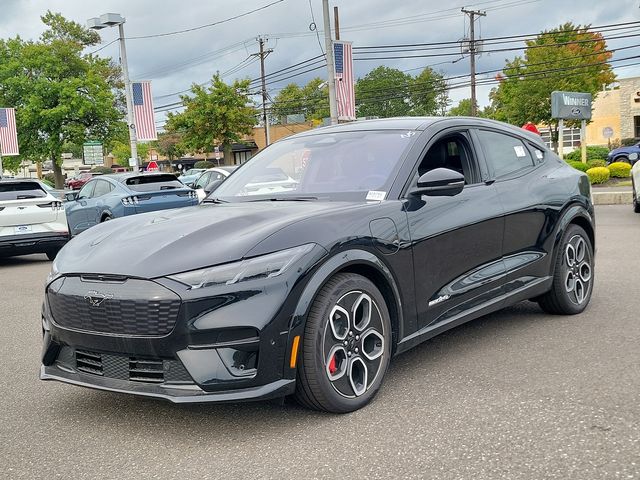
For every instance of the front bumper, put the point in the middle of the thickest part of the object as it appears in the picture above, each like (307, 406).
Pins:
(173, 393)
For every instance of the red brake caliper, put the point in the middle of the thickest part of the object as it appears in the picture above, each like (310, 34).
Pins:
(332, 364)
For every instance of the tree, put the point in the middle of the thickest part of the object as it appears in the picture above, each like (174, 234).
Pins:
(60, 94)
(464, 109)
(219, 114)
(312, 101)
(121, 151)
(388, 92)
(170, 145)
(569, 58)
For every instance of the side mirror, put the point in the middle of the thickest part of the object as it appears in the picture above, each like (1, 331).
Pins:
(71, 196)
(212, 186)
(440, 182)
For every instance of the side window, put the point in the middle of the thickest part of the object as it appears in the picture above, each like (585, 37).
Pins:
(506, 154)
(86, 190)
(102, 188)
(203, 181)
(452, 152)
(538, 154)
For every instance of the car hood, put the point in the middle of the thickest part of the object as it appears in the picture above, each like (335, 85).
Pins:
(171, 241)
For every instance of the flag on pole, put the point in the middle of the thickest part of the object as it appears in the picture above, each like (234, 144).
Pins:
(8, 132)
(143, 111)
(345, 92)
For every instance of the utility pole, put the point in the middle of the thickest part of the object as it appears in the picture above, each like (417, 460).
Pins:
(331, 69)
(131, 119)
(336, 22)
(472, 55)
(265, 118)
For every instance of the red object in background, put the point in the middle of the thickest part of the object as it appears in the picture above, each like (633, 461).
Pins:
(79, 181)
(530, 127)
(152, 167)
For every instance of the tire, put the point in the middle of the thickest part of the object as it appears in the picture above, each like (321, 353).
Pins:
(573, 275)
(106, 218)
(51, 254)
(342, 363)
(622, 158)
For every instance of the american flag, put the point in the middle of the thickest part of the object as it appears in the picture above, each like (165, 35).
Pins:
(143, 111)
(8, 132)
(345, 93)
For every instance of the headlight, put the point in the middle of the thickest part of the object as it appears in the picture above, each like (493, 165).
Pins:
(54, 273)
(265, 266)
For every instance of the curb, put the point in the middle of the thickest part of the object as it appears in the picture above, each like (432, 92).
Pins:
(612, 198)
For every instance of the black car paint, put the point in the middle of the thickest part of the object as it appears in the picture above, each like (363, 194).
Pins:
(468, 255)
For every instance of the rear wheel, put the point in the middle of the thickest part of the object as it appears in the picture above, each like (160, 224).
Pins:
(106, 218)
(573, 278)
(346, 346)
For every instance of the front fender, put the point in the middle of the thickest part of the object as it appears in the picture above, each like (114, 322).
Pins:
(334, 264)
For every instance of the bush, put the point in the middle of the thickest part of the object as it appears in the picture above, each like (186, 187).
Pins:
(583, 167)
(620, 170)
(101, 169)
(628, 142)
(49, 179)
(204, 164)
(49, 182)
(596, 163)
(593, 153)
(598, 175)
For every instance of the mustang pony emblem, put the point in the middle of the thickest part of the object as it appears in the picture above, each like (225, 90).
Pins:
(96, 298)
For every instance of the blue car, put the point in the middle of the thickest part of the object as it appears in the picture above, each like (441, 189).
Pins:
(622, 154)
(112, 196)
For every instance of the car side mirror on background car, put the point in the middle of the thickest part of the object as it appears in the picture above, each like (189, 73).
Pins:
(212, 186)
(70, 196)
(439, 182)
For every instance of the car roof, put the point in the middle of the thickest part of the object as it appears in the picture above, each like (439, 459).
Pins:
(414, 123)
(123, 177)
(223, 169)
(19, 180)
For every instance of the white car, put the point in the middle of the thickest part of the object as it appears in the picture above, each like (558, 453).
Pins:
(32, 220)
(209, 176)
(635, 181)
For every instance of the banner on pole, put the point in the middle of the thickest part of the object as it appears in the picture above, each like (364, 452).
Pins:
(345, 89)
(8, 132)
(143, 111)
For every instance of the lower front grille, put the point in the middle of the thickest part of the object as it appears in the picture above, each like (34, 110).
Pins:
(134, 369)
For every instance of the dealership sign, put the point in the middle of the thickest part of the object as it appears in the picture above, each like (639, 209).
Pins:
(571, 105)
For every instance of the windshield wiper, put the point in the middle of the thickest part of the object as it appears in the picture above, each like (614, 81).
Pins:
(284, 199)
(213, 200)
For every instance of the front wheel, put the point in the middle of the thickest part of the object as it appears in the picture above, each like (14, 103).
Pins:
(573, 277)
(346, 346)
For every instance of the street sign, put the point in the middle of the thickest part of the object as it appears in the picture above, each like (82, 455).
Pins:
(92, 153)
(571, 105)
(216, 150)
(607, 132)
(152, 167)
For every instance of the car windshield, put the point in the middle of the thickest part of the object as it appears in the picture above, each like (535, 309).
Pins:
(152, 183)
(330, 166)
(21, 190)
(192, 171)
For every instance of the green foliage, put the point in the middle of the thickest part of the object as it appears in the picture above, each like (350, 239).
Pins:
(583, 167)
(388, 92)
(219, 114)
(597, 162)
(312, 101)
(169, 145)
(121, 151)
(524, 92)
(204, 164)
(593, 153)
(463, 109)
(598, 175)
(101, 169)
(49, 179)
(620, 170)
(61, 95)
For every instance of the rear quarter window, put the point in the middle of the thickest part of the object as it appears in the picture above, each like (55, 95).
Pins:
(21, 190)
(153, 183)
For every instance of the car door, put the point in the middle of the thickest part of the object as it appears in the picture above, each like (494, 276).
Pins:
(456, 241)
(522, 184)
(96, 205)
(77, 209)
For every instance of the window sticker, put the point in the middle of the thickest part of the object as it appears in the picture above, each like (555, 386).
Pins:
(519, 149)
(376, 195)
(539, 155)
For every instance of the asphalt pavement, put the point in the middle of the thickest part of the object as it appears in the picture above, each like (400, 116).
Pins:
(517, 395)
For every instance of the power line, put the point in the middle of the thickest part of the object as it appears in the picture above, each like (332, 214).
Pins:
(104, 46)
(208, 24)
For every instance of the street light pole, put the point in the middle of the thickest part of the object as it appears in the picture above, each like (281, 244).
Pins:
(333, 106)
(111, 20)
(131, 119)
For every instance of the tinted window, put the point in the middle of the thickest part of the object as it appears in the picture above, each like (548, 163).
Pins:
(152, 183)
(21, 190)
(506, 154)
(102, 188)
(86, 190)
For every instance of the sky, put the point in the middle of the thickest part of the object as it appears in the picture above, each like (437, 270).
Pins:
(174, 62)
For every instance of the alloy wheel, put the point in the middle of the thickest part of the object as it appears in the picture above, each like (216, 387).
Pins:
(353, 344)
(578, 273)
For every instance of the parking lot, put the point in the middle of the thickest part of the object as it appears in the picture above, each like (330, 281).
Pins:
(517, 394)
